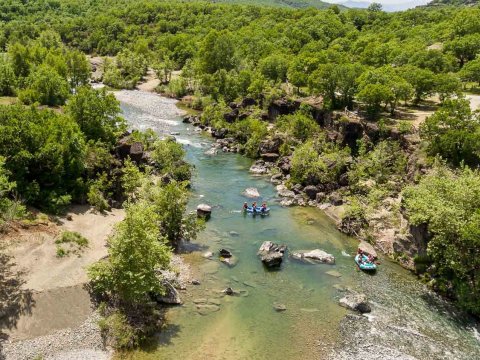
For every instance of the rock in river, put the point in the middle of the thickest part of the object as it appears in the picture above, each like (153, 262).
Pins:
(271, 254)
(204, 211)
(171, 297)
(316, 255)
(251, 193)
(225, 253)
(357, 302)
(279, 307)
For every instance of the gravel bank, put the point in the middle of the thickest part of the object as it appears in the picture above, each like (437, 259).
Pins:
(83, 342)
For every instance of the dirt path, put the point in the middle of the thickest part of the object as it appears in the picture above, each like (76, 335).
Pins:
(150, 81)
(474, 101)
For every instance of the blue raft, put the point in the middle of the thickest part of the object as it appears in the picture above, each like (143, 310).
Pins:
(257, 211)
(365, 264)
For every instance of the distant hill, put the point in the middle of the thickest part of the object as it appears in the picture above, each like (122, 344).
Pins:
(398, 6)
(297, 4)
(454, 3)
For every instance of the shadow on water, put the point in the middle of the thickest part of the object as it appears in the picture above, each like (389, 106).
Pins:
(14, 301)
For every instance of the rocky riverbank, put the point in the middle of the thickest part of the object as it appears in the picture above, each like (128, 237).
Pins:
(386, 227)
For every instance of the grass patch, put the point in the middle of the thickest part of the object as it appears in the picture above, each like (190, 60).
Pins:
(70, 242)
(8, 100)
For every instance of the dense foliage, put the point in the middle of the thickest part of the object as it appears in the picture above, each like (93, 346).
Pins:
(449, 203)
(229, 51)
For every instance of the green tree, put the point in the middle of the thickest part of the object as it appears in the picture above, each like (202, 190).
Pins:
(453, 132)
(447, 86)
(46, 86)
(373, 96)
(471, 71)
(217, 52)
(78, 68)
(97, 114)
(136, 251)
(274, 67)
(464, 48)
(422, 80)
(7, 77)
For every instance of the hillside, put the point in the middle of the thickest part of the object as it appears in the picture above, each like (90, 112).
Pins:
(296, 4)
(453, 2)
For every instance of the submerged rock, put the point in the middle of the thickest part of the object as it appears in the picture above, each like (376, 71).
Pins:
(211, 152)
(205, 309)
(279, 307)
(334, 273)
(271, 254)
(207, 255)
(356, 302)
(251, 193)
(229, 291)
(315, 255)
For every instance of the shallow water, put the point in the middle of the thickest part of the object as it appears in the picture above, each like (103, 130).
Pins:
(407, 321)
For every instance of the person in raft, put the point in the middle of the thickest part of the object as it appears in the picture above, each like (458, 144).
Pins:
(254, 207)
(264, 208)
(245, 206)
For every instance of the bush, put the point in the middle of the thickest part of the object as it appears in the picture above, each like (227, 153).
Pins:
(73, 240)
(299, 126)
(122, 335)
(47, 87)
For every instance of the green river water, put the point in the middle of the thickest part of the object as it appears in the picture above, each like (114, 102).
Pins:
(407, 321)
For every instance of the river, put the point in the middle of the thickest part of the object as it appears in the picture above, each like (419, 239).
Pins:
(407, 320)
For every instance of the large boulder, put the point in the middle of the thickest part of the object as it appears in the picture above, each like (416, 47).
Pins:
(136, 152)
(248, 101)
(316, 255)
(231, 116)
(271, 254)
(204, 211)
(367, 248)
(270, 145)
(311, 191)
(284, 192)
(356, 302)
(284, 164)
(259, 168)
(171, 296)
(270, 157)
(335, 199)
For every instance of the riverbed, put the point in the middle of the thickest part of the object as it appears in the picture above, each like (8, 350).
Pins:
(407, 320)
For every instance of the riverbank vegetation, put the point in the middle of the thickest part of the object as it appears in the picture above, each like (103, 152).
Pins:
(341, 87)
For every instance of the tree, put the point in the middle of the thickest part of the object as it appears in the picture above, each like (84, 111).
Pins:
(324, 81)
(217, 52)
(164, 69)
(464, 48)
(447, 86)
(46, 86)
(136, 251)
(471, 71)
(453, 132)
(422, 80)
(7, 77)
(374, 95)
(274, 67)
(78, 68)
(96, 112)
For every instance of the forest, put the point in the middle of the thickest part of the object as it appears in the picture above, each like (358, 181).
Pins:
(57, 142)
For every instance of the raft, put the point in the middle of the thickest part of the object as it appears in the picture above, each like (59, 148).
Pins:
(365, 264)
(258, 210)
